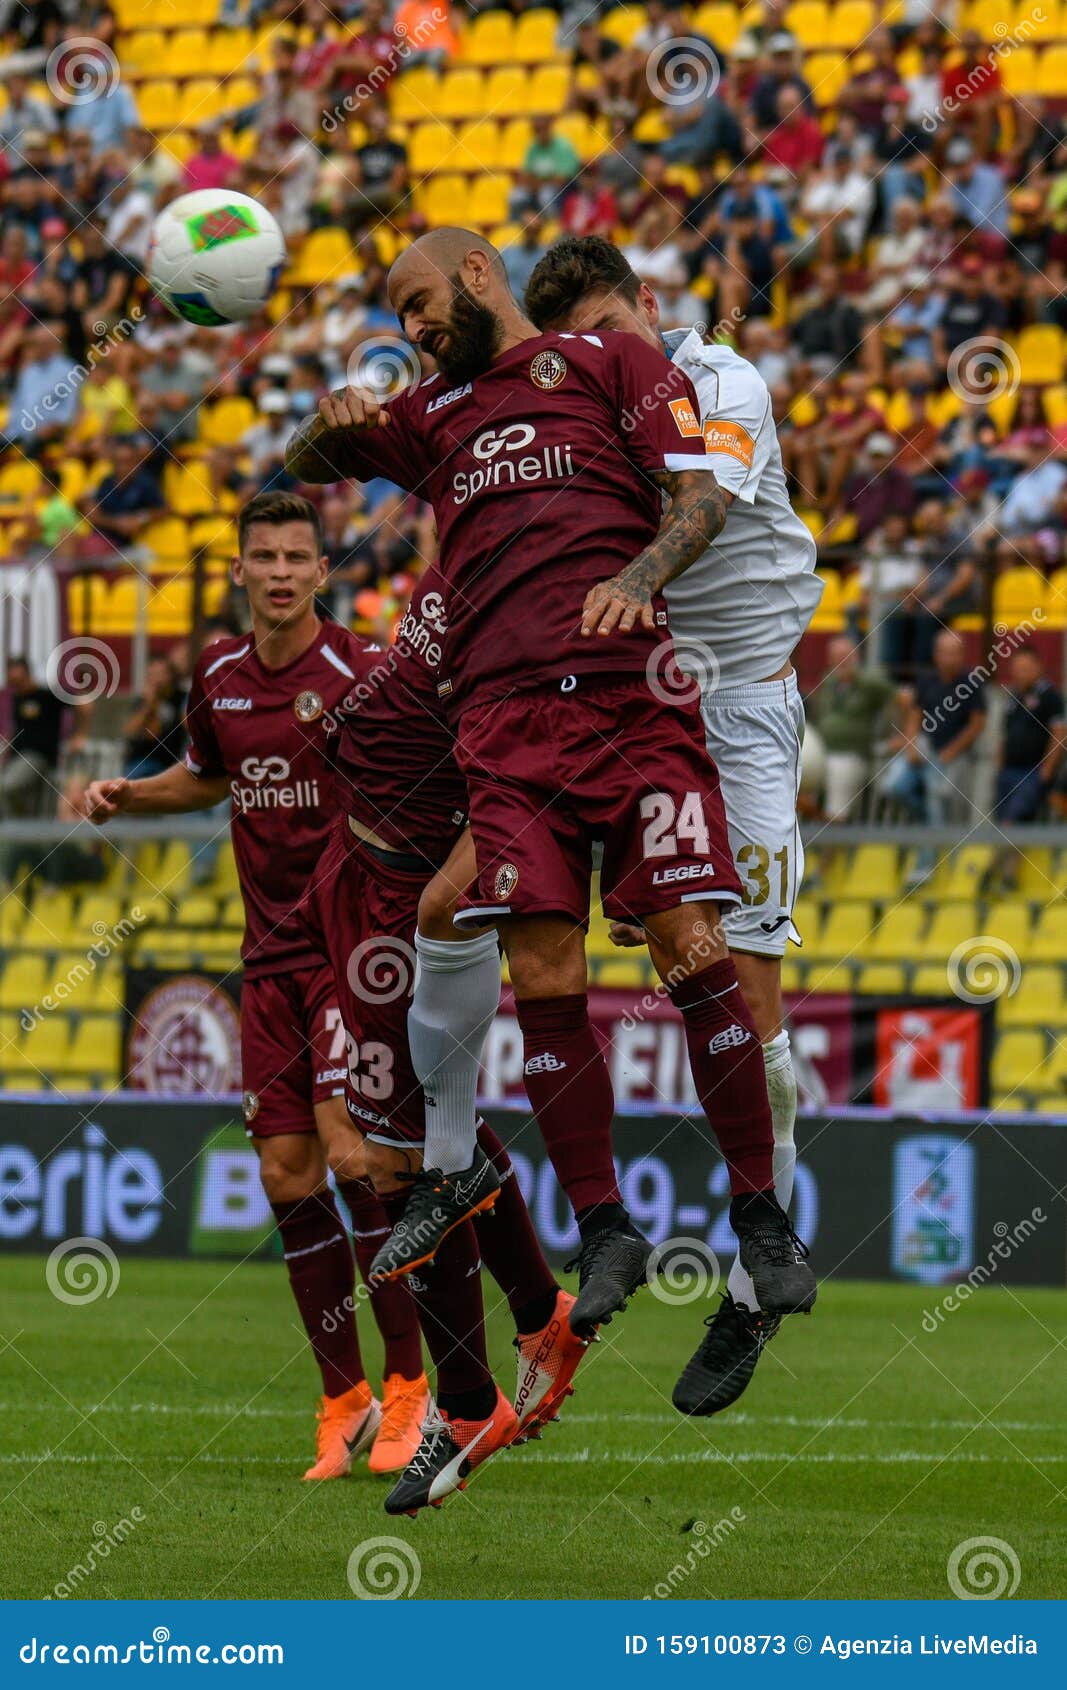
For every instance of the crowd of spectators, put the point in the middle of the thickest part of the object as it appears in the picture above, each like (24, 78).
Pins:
(853, 241)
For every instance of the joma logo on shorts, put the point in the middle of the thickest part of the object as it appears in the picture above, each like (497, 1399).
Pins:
(683, 871)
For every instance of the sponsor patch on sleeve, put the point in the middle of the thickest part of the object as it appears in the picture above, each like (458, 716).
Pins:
(685, 417)
(730, 438)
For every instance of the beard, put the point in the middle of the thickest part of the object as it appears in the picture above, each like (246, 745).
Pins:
(474, 335)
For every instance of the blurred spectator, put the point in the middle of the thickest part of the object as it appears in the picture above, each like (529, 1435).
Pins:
(837, 202)
(551, 162)
(381, 164)
(107, 116)
(876, 488)
(1032, 737)
(210, 165)
(44, 400)
(127, 498)
(153, 733)
(977, 189)
(426, 26)
(170, 387)
(266, 440)
(522, 255)
(796, 142)
(889, 575)
(30, 764)
(24, 112)
(847, 708)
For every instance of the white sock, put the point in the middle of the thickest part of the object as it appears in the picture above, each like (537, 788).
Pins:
(457, 990)
(782, 1091)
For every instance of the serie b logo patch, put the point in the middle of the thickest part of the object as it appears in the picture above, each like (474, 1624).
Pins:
(307, 707)
(548, 369)
(507, 878)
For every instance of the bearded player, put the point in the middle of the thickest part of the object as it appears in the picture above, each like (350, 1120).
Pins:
(740, 610)
(256, 722)
(403, 814)
(545, 458)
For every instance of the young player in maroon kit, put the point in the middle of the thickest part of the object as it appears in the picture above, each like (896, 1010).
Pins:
(545, 458)
(257, 728)
(404, 807)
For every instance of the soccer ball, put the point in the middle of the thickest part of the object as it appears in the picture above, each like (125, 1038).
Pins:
(215, 257)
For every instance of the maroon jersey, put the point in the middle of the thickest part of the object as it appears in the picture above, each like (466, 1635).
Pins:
(266, 729)
(394, 753)
(540, 477)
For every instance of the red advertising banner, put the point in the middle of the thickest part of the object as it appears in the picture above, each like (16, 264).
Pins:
(928, 1059)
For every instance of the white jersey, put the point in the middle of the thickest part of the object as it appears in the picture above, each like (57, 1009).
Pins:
(753, 593)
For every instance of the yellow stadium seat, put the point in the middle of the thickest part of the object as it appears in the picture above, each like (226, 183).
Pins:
(1040, 349)
(718, 23)
(651, 128)
(477, 146)
(20, 480)
(1054, 400)
(170, 607)
(431, 148)
(809, 21)
(886, 979)
(1039, 1001)
(850, 23)
(223, 423)
(953, 925)
(122, 605)
(187, 489)
(985, 16)
(535, 41)
(1037, 23)
(463, 95)
(828, 977)
(1052, 72)
(142, 52)
(514, 142)
(1056, 604)
(1018, 1059)
(488, 201)
(157, 103)
(98, 913)
(24, 982)
(845, 935)
(489, 39)
(899, 935)
(199, 101)
(827, 73)
(442, 199)
(546, 90)
(217, 533)
(623, 23)
(1018, 70)
(1019, 596)
(930, 981)
(186, 53)
(229, 50)
(873, 871)
(1049, 941)
(167, 539)
(828, 618)
(324, 256)
(97, 1046)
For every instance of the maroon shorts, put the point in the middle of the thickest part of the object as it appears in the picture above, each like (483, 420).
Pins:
(362, 911)
(292, 1049)
(551, 772)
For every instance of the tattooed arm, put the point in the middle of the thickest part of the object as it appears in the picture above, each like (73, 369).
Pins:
(697, 511)
(323, 447)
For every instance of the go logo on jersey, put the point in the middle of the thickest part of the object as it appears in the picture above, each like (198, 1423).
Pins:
(498, 450)
(265, 784)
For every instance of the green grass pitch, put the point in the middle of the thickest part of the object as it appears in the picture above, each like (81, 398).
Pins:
(866, 1450)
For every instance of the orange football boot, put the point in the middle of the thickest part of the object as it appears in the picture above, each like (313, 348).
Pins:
(548, 1361)
(347, 1424)
(405, 1405)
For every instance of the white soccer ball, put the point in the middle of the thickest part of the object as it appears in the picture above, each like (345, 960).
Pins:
(215, 257)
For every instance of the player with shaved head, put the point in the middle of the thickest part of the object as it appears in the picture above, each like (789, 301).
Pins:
(546, 459)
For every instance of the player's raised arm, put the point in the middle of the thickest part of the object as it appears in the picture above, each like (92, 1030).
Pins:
(694, 516)
(169, 793)
(352, 436)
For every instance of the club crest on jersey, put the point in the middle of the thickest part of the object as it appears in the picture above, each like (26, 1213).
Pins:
(307, 707)
(548, 369)
(250, 1105)
(507, 878)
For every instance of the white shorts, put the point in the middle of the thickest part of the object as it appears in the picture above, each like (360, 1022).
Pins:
(754, 733)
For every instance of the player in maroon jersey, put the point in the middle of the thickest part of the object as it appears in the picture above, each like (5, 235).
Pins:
(404, 805)
(545, 458)
(256, 720)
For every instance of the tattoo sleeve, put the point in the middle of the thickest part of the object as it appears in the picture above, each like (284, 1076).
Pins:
(697, 511)
(319, 454)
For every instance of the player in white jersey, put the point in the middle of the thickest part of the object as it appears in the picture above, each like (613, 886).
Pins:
(736, 616)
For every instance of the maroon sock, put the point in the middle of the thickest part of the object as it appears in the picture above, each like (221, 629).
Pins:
(509, 1245)
(569, 1088)
(726, 1058)
(323, 1279)
(448, 1294)
(391, 1302)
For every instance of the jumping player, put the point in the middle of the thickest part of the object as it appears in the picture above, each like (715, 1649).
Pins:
(741, 609)
(256, 721)
(545, 459)
(403, 811)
